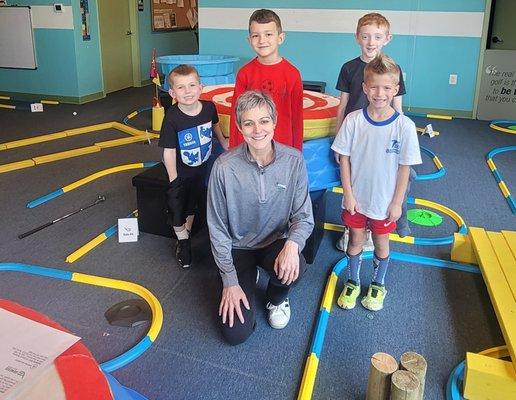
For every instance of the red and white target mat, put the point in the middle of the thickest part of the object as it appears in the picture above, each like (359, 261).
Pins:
(319, 110)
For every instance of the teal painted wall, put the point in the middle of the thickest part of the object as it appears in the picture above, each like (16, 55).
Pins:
(56, 73)
(88, 60)
(426, 60)
(71, 67)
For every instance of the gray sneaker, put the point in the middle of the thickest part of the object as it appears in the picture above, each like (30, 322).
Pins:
(342, 243)
(368, 244)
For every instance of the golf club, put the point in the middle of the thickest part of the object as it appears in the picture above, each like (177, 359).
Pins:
(100, 199)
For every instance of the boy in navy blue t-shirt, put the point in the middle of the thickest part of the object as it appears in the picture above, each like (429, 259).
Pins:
(186, 139)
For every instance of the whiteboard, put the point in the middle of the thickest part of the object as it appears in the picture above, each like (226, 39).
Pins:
(16, 38)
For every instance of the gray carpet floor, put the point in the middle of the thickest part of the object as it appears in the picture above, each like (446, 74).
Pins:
(439, 313)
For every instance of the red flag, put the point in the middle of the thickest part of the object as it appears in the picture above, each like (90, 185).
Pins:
(153, 69)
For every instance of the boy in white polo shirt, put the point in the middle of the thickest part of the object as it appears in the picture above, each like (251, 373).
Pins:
(377, 146)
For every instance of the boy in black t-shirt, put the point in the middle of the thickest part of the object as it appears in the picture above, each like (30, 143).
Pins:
(186, 136)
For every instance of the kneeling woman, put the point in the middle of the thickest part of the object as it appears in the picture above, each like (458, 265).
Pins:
(259, 214)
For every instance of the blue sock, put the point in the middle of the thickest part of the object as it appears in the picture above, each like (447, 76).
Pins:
(380, 266)
(354, 267)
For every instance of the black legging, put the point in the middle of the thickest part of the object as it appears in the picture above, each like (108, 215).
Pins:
(246, 262)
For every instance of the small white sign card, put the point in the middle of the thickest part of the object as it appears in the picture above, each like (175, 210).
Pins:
(127, 230)
(26, 349)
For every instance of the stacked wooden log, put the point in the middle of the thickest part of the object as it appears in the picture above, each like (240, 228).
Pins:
(389, 380)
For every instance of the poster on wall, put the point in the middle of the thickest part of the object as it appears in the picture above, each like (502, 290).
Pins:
(172, 15)
(497, 98)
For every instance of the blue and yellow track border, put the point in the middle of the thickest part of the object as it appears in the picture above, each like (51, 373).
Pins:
(438, 164)
(438, 241)
(134, 114)
(87, 179)
(312, 363)
(497, 122)
(87, 247)
(498, 176)
(432, 116)
(155, 306)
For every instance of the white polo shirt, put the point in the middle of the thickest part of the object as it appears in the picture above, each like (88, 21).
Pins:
(376, 149)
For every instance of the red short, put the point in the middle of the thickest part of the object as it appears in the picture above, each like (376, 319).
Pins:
(357, 220)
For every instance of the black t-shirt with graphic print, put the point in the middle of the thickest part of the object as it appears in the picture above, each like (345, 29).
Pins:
(191, 136)
(350, 81)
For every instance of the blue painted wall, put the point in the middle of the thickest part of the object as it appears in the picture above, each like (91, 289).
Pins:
(71, 67)
(426, 60)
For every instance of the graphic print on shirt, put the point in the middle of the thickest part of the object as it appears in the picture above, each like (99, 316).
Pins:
(395, 147)
(195, 144)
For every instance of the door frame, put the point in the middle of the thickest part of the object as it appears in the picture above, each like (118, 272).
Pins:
(483, 45)
(135, 45)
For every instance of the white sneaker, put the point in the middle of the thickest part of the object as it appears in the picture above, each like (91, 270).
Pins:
(368, 244)
(279, 315)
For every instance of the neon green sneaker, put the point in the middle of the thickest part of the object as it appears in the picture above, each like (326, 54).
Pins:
(375, 296)
(348, 298)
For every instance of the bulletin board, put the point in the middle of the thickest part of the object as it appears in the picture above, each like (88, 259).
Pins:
(173, 15)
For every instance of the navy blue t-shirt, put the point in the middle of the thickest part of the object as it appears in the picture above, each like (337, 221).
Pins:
(191, 136)
(350, 81)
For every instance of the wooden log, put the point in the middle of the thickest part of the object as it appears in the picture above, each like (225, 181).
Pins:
(415, 363)
(379, 381)
(404, 386)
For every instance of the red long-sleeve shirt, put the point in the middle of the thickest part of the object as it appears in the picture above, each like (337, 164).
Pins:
(283, 82)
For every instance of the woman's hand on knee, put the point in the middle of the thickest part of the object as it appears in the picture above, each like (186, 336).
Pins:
(230, 304)
(286, 264)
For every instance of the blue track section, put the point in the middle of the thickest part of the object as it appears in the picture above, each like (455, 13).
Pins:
(452, 387)
(499, 150)
(45, 198)
(35, 270)
(434, 262)
(127, 357)
(435, 175)
(320, 329)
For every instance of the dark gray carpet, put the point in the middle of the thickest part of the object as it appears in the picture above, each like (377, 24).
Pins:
(438, 313)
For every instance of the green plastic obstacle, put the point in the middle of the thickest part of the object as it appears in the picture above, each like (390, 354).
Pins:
(424, 217)
(513, 127)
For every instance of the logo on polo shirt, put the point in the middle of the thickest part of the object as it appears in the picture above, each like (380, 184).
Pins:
(395, 147)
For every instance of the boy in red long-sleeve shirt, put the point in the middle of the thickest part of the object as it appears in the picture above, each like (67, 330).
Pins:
(274, 75)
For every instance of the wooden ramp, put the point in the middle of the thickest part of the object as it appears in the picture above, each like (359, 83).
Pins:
(495, 253)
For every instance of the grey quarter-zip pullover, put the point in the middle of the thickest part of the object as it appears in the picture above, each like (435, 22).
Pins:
(250, 206)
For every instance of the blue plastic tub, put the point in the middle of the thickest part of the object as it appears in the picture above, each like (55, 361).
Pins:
(213, 69)
(207, 65)
(207, 81)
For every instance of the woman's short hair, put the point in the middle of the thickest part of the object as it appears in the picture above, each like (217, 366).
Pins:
(253, 99)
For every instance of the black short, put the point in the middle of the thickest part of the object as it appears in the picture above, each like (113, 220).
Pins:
(183, 196)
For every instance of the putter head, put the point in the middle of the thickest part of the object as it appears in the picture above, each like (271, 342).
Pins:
(101, 198)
